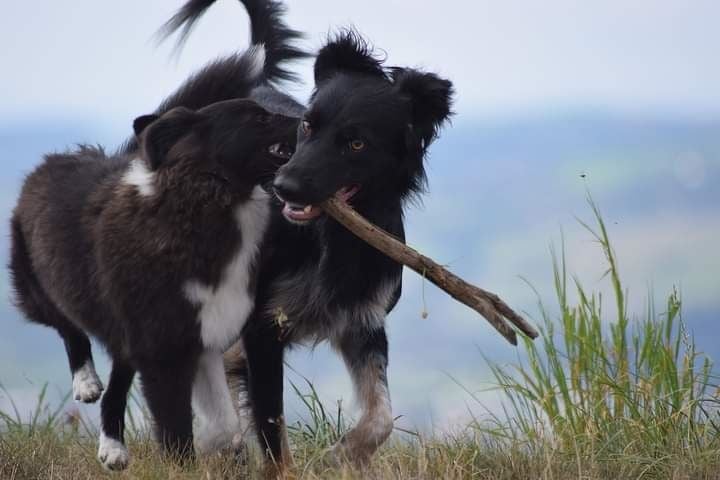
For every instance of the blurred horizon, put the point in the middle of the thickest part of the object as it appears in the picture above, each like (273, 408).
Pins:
(553, 102)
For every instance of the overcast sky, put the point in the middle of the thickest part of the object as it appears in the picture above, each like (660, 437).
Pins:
(97, 59)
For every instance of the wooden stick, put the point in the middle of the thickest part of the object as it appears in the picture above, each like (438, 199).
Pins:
(485, 303)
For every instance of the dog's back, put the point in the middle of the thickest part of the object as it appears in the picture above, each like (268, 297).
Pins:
(52, 232)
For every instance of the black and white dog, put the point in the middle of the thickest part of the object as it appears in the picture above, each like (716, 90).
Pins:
(143, 249)
(363, 138)
(155, 255)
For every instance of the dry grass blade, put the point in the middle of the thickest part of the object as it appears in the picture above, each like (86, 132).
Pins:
(485, 303)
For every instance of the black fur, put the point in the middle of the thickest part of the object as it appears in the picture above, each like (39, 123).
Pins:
(107, 246)
(396, 115)
(266, 28)
(347, 52)
(320, 282)
(232, 76)
(112, 406)
(392, 116)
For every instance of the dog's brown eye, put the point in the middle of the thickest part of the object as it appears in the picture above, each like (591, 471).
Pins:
(306, 127)
(357, 145)
(264, 118)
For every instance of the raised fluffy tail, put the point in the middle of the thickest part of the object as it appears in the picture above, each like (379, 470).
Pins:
(240, 74)
(267, 30)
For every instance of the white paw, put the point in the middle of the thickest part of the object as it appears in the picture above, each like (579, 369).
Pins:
(335, 456)
(238, 442)
(359, 444)
(112, 454)
(341, 454)
(210, 440)
(87, 386)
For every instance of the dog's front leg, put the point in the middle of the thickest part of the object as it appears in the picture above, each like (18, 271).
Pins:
(264, 352)
(366, 356)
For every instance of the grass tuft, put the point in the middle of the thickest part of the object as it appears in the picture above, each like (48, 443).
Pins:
(631, 397)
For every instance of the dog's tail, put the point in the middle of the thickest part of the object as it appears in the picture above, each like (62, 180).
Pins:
(269, 34)
(237, 75)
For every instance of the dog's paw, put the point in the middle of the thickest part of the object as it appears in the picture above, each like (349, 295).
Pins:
(343, 453)
(335, 456)
(277, 471)
(209, 440)
(86, 384)
(113, 455)
(240, 449)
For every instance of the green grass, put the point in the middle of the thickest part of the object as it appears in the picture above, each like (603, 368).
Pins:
(624, 398)
(599, 395)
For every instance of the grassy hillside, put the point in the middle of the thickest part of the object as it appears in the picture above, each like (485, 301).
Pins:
(602, 394)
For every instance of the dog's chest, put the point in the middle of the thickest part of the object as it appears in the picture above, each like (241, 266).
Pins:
(224, 308)
(302, 307)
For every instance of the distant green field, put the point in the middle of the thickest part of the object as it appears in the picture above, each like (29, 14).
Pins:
(602, 395)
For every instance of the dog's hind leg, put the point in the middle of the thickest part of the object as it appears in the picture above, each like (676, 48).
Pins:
(112, 452)
(365, 354)
(168, 391)
(217, 420)
(86, 384)
(236, 370)
(37, 306)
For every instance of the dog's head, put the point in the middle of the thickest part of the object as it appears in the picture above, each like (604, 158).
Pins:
(365, 132)
(228, 147)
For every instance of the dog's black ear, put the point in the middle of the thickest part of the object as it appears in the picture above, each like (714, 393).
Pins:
(430, 98)
(142, 122)
(157, 136)
(346, 52)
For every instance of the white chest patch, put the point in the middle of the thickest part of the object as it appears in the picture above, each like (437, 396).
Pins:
(225, 308)
(139, 176)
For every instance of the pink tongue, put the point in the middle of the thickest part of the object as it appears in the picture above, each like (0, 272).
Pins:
(343, 194)
(301, 214)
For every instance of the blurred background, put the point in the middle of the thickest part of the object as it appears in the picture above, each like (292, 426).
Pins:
(554, 99)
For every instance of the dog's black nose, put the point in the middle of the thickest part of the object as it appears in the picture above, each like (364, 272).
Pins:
(286, 187)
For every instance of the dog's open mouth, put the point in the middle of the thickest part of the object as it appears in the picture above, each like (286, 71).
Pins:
(281, 150)
(298, 213)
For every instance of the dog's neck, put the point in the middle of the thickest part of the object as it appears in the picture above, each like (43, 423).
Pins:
(352, 265)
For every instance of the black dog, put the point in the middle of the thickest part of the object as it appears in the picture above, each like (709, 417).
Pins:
(363, 138)
(154, 255)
